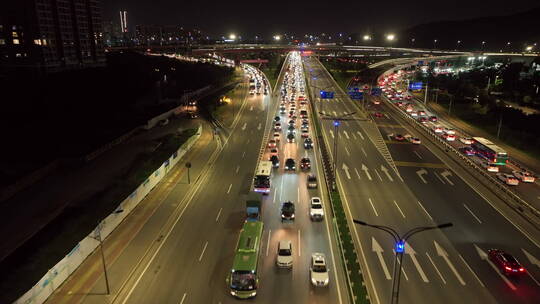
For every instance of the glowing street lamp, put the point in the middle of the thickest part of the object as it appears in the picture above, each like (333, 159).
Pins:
(232, 36)
(390, 37)
(277, 37)
(529, 48)
(367, 37)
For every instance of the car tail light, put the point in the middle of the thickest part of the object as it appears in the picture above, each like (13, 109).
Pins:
(521, 269)
(507, 268)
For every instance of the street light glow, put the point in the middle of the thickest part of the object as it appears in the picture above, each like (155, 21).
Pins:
(232, 36)
(529, 48)
(367, 37)
(277, 37)
(390, 37)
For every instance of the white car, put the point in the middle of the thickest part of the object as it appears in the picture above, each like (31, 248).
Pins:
(490, 167)
(316, 211)
(524, 176)
(508, 179)
(415, 140)
(318, 270)
(438, 129)
(466, 140)
(449, 131)
(284, 255)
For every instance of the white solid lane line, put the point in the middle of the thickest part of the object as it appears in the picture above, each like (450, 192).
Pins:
(425, 210)
(372, 206)
(183, 298)
(440, 179)
(219, 213)
(237, 169)
(347, 150)
(470, 269)
(357, 174)
(244, 154)
(274, 196)
(229, 190)
(395, 203)
(402, 267)
(417, 154)
(440, 274)
(204, 249)
(268, 241)
(474, 215)
(364, 151)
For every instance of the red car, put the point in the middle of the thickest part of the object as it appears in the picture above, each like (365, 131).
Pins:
(399, 137)
(378, 114)
(505, 262)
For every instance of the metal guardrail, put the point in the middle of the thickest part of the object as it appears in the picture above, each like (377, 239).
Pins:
(522, 206)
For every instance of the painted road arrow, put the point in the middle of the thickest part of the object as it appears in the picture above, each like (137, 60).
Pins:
(410, 251)
(445, 174)
(383, 169)
(346, 134)
(365, 169)
(376, 247)
(420, 174)
(346, 169)
(484, 257)
(442, 253)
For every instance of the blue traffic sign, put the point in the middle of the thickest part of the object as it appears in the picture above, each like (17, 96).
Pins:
(357, 95)
(376, 91)
(415, 85)
(327, 95)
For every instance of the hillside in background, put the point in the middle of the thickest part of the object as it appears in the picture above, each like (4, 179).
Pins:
(519, 29)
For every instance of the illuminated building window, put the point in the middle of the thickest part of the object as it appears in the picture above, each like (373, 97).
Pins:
(37, 41)
(14, 34)
(2, 41)
(16, 41)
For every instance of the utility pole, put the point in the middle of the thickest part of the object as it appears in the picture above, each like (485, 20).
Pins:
(450, 107)
(500, 125)
(425, 96)
(400, 241)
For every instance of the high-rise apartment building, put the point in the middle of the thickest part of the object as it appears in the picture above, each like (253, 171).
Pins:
(50, 35)
(123, 21)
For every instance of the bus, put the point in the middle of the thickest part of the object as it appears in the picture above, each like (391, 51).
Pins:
(488, 150)
(262, 178)
(243, 279)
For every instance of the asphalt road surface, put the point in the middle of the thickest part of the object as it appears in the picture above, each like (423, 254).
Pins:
(404, 186)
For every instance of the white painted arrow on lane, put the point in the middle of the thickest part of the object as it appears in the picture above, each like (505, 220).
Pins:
(259, 126)
(332, 133)
(445, 174)
(533, 261)
(244, 126)
(383, 169)
(365, 169)
(442, 253)
(410, 251)
(376, 247)
(484, 257)
(346, 134)
(420, 174)
(346, 169)
(360, 134)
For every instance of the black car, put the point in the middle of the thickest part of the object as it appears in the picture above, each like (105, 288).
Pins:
(305, 163)
(287, 211)
(311, 181)
(290, 137)
(275, 161)
(308, 143)
(290, 164)
(276, 118)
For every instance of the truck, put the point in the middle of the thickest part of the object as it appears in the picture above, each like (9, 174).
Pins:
(253, 208)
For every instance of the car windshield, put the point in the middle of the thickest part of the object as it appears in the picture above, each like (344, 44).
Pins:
(243, 280)
(319, 268)
(285, 252)
(510, 259)
(316, 206)
(312, 178)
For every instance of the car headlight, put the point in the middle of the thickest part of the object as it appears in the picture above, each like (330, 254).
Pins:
(283, 215)
(292, 216)
(233, 292)
(313, 281)
(253, 294)
(326, 281)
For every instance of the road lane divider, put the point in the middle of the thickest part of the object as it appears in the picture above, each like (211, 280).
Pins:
(204, 249)
(444, 254)
(437, 269)
(470, 269)
(474, 215)
(373, 207)
(397, 206)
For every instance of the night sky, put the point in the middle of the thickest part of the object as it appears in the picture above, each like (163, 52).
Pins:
(249, 18)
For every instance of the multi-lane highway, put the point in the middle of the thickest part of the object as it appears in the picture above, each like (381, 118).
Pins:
(404, 186)
(186, 257)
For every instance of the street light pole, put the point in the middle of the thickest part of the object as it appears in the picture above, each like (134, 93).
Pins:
(400, 242)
